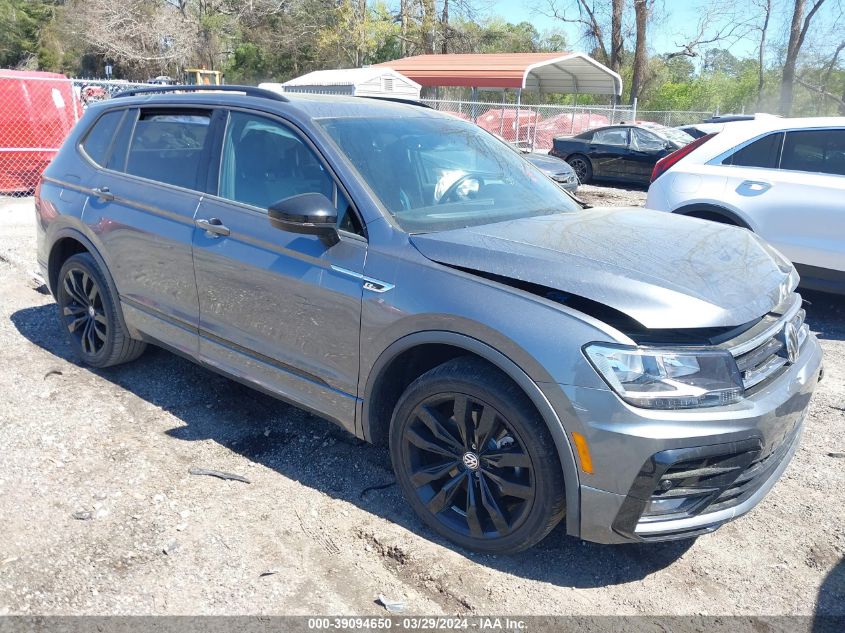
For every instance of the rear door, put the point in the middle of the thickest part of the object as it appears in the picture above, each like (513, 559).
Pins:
(143, 198)
(790, 185)
(281, 309)
(608, 151)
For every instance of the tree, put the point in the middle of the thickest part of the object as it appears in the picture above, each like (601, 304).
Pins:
(616, 42)
(21, 22)
(585, 14)
(765, 7)
(642, 9)
(799, 25)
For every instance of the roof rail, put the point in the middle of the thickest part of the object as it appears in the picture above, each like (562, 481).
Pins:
(250, 91)
(412, 102)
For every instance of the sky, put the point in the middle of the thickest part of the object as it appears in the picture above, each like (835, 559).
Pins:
(682, 19)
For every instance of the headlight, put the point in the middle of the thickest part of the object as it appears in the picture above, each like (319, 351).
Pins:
(668, 379)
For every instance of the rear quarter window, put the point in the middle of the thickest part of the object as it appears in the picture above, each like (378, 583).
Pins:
(764, 152)
(98, 142)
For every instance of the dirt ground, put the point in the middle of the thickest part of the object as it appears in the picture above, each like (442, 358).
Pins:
(100, 515)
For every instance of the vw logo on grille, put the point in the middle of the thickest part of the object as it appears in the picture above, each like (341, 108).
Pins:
(471, 461)
(790, 335)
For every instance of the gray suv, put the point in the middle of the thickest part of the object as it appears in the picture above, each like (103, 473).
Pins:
(406, 275)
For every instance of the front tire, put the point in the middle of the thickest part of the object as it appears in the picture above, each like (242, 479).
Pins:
(88, 312)
(474, 459)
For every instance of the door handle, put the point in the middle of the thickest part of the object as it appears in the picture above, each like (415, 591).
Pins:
(213, 227)
(103, 193)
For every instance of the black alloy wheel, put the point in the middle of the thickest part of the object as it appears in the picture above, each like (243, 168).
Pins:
(475, 460)
(90, 314)
(468, 467)
(83, 312)
(582, 168)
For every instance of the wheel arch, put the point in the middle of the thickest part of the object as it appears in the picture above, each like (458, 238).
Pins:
(414, 354)
(722, 214)
(67, 242)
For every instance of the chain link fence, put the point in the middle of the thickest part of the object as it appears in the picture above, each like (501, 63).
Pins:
(672, 118)
(535, 126)
(532, 126)
(37, 112)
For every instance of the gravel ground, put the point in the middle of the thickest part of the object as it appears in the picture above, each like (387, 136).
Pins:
(100, 514)
(599, 196)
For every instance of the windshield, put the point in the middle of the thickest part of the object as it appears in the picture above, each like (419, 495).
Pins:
(434, 174)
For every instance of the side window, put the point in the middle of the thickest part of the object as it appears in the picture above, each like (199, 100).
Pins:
(820, 151)
(169, 147)
(120, 145)
(98, 141)
(646, 141)
(612, 136)
(265, 161)
(764, 152)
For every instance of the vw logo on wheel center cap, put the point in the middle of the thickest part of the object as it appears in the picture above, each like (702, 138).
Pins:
(91, 311)
(471, 461)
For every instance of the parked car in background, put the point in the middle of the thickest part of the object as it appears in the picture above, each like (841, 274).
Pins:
(697, 130)
(555, 168)
(623, 153)
(782, 178)
(642, 377)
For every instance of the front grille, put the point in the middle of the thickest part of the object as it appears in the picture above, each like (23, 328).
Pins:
(763, 358)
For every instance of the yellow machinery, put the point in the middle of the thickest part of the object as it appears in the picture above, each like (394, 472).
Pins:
(203, 77)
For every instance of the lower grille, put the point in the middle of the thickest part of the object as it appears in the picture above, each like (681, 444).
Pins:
(750, 480)
(683, 483)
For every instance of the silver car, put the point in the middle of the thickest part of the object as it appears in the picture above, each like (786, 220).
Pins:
(402, 273)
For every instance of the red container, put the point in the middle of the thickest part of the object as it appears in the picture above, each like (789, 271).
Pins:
(37, 111)
(566, 125)
(510, 123)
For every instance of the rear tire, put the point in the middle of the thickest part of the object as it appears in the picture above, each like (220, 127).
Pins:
(475, 460)
(89, 315)
(582, 167)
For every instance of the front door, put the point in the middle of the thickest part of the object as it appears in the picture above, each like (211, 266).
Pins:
(608, 150)
(281, 309)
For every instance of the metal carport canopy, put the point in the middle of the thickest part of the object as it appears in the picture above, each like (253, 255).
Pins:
(546, 72)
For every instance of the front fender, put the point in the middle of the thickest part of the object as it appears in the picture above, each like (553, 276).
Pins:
(512, 370)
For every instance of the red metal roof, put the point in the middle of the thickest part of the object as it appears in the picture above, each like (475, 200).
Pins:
(487, 70)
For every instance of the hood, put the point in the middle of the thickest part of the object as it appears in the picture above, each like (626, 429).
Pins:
(549, 164)
(664, 271)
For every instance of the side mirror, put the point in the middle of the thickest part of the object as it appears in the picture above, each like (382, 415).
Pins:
(307, 213)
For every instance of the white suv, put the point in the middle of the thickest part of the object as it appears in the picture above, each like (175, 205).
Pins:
(782, 178)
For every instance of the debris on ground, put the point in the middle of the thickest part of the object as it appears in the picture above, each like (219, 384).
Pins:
(393, 606)
(219, 474)
(83, 515)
